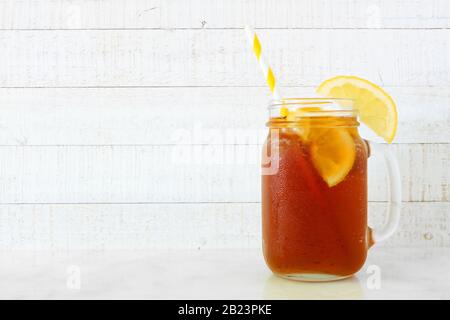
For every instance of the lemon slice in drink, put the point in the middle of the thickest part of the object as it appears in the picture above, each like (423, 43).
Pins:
(376, 108)
(332, 150)
(333, 153)
(294, 115)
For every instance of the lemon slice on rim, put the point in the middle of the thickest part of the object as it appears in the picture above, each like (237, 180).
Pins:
(376, 108)
(333, 153)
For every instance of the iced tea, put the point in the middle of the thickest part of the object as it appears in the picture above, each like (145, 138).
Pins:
(314, 208)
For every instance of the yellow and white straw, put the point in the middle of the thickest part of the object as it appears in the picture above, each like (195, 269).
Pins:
(266, 69)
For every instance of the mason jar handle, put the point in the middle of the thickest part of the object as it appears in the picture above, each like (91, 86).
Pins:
(395, 191)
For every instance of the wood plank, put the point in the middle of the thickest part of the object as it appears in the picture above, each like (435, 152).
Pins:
(111, 14)
(80, 58)
(199, 226)
(153, 116)
(200, 173)
(308, 14)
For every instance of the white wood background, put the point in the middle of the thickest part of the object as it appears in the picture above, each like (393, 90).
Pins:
(92, 94)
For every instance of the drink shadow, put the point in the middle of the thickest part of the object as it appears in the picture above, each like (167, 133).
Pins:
(346, 289)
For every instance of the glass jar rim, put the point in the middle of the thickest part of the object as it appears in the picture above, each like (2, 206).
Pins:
(337, 107)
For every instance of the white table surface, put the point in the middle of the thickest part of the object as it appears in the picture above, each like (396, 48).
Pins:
(212, 274)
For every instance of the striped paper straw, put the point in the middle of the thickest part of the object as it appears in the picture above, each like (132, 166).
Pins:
(266, 69)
